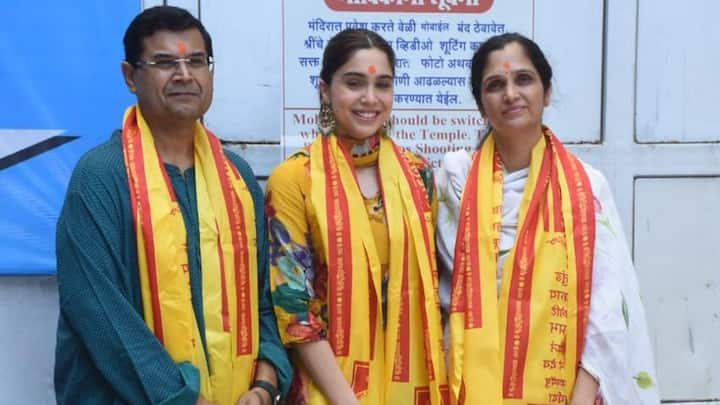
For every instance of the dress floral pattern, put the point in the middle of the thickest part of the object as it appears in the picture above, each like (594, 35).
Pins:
(298, 275)
(294, 260)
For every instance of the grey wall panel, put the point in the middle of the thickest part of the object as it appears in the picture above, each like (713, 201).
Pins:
(570, 32)
(28, 320)
(247, 42)
(193, 6)
(261, 158)
(677, 256)
(677, 82)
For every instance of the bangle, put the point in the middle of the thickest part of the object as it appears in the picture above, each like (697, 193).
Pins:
(269, 388)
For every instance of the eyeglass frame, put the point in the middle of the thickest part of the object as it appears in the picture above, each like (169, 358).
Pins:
(209, 63)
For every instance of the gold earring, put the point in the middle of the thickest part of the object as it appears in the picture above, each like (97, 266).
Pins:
(326, 119)
(387, 126)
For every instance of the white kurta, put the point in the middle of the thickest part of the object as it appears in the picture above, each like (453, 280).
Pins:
(617, 348)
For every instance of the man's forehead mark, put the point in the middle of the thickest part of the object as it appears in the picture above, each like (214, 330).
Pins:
(371, 69)
(506, 66)
(182, 49)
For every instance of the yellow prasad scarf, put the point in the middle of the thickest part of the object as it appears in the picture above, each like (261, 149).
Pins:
(524, 347)
(407, 366)
(228, 254)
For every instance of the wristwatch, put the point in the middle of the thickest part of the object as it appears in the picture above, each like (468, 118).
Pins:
(269, 388)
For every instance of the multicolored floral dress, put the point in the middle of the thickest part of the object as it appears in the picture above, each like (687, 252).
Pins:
(299, 272)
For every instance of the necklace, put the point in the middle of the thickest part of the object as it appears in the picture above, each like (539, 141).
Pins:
(366, 153)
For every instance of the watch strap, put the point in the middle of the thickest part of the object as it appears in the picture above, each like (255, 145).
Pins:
(269, 388)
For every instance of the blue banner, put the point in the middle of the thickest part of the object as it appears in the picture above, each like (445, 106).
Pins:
(63, 93)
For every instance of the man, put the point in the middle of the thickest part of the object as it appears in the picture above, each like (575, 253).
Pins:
(161, 247)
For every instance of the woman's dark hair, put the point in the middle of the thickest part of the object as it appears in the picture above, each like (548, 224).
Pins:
(497, 42)
(344, 44)
(160, 18)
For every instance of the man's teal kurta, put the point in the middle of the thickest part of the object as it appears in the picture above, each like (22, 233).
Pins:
(105, 352)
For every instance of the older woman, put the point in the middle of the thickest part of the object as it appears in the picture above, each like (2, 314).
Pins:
(543, 299)
(353, 272)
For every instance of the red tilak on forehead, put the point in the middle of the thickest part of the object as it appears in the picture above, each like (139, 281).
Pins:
(371, 69)
(506, 65)
(181, 48)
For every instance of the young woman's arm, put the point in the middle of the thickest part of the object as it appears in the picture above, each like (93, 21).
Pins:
(319, 361)
(586, 388)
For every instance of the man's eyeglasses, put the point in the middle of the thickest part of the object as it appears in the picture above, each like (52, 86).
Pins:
(198, 62)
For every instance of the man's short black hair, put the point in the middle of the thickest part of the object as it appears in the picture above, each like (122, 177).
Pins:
(160, 18)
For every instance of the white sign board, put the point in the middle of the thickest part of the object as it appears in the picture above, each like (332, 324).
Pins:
(434, 40)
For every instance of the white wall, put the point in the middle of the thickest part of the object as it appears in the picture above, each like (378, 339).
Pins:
(642, 71)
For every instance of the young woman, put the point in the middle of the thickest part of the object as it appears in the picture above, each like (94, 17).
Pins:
(353, 273)
(544, 304)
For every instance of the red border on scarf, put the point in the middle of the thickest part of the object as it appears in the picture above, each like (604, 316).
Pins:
(422, 206)
(401, 366)
(583, 210)
(236, 216)
(466, 281)
(139, 199)
(223, 285)
(558, 224)
(339, 255)
(520, 291)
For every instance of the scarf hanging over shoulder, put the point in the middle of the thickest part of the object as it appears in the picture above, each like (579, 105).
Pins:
(523, 347)
(408, 363)
(228, 254)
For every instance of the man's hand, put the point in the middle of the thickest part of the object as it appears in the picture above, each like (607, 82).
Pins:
(256, 396)
(203, 401)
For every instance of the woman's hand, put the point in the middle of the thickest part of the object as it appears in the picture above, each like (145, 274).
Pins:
(585, 390)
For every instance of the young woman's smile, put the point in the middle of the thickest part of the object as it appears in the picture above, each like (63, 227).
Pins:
(361, 94)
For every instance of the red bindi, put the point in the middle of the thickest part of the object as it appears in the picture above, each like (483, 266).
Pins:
(181, 48)
(371, 69)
